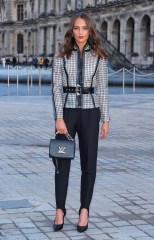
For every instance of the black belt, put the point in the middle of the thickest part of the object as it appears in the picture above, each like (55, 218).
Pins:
(78, 90)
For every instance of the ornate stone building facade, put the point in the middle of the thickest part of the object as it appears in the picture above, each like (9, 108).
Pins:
(37, 27)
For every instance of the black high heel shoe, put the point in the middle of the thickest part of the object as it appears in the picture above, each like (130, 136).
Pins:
(57, 227)
(82, 228)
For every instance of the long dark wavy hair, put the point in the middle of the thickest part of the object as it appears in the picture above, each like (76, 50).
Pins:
(67, 46)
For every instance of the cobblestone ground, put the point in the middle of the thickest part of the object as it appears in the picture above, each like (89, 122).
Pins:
(123, 202)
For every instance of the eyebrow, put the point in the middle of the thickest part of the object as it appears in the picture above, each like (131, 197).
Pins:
(80, 26)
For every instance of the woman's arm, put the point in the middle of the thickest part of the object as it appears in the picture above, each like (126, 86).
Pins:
(102, 91)
(57, 85)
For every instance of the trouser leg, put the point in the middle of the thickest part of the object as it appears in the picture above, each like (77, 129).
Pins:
(62, 178)
(88, 131)
(61, 183)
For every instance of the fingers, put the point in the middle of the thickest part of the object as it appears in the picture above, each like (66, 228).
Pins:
(103, 135)
(62, 131)
(104, 130)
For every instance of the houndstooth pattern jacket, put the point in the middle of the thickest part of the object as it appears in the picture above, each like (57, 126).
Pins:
(94, 72)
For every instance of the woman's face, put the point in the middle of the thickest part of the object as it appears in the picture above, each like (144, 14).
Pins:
(80, 32)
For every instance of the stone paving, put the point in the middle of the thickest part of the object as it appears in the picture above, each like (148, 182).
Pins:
(123, 202)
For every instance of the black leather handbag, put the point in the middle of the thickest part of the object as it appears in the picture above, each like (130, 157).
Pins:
(62, 148)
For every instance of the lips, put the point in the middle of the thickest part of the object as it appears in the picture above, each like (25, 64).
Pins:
(80, 37)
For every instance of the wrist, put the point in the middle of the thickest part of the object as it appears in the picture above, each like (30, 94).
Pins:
(59, 119)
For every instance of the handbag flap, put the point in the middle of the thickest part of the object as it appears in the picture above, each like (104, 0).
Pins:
(62, 148)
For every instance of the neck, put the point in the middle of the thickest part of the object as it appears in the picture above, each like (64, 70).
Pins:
(81, 46)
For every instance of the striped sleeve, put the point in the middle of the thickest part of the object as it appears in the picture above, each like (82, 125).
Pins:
(102, 90)
(57, 87)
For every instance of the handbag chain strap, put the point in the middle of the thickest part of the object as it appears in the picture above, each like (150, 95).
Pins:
(67, 135)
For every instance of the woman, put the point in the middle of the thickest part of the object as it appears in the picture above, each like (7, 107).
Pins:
(80, 100)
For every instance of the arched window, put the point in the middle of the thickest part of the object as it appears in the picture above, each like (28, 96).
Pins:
(116, 34)
(20, 43)
(130, 36)
(145, 35)
(104, 29)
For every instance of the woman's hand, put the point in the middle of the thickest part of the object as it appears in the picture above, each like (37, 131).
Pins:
(61, 126)
(104, 130)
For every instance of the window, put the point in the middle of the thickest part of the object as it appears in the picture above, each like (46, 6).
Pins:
(20, 12)
(79, 4)
(45, 6)
(32, 8)
(98, 2)
(20, 43)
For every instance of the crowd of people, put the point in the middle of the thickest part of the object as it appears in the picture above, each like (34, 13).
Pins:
(36, 62)
(40, 62)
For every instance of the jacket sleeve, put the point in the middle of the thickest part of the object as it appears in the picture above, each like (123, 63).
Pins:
(102, 90)
(57, 87)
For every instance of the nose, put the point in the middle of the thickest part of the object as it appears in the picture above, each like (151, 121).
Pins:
(80, 31)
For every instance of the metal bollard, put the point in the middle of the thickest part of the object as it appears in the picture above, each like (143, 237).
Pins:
(17, 78)
(8, 76)
(123, 84)
(39, 81)
(134, 79)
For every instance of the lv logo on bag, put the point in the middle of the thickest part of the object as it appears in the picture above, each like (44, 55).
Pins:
(61, 150)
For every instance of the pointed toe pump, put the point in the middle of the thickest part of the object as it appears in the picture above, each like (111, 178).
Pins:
(58, 227)
(82, 228)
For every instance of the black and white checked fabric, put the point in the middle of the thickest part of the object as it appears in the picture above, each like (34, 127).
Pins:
(100, 83)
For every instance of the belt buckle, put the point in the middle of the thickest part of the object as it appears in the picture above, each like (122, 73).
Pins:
(78, 90)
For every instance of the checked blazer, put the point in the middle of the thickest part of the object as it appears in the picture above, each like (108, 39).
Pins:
(65, 73)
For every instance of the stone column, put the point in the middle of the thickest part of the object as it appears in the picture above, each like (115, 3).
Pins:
(8, 42)
(40, 40)
(32, 42)
(35, 41)
(49, 6)
(57, 5)
(122, 34)
(52, 4)
(11, 42)
(49, 39)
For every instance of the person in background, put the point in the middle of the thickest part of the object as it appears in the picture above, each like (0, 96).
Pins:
(35, 62)
(46, 62)
(14, 61)
(41, 62)
(80, 101)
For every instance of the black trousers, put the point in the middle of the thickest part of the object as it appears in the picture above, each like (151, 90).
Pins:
(84, 122)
